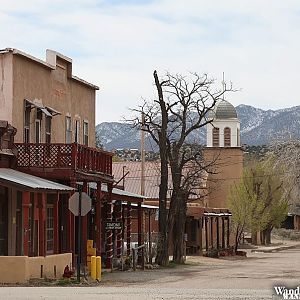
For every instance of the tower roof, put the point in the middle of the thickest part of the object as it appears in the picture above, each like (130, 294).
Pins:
(224, 110)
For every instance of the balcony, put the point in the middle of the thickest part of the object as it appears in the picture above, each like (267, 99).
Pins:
(64, 161)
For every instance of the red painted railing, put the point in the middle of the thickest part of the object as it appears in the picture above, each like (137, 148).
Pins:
(64, 156)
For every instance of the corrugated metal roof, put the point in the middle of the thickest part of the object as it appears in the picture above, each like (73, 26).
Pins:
(116, 191)
(30, 181)
(132, 181)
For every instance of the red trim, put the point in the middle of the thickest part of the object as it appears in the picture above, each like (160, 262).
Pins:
(56, 227)
(128, 228)
(109, 242)
(84, 229)
(26, 204)
(98, 219)
(42, 224)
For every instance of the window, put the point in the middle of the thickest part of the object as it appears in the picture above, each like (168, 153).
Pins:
(38, 120)
(68, 130)
(216, 137)
(85, 133)
(48, 129)
(50, 229)
(27, 110)
(227, 137)
(77, 130)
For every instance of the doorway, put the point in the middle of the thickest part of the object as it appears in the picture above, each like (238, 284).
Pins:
(3, 221)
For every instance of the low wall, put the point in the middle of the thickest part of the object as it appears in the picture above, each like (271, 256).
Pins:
(19, 269)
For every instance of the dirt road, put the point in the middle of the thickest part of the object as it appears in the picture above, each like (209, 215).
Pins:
(204, 278)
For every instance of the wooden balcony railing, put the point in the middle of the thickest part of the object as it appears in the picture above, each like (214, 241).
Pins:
(64, 156)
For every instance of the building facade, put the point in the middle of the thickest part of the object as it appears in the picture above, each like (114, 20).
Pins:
(44, 100)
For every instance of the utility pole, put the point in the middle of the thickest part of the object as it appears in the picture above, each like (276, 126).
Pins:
(143, 156)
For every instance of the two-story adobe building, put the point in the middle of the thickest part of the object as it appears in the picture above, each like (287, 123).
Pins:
(54, 114)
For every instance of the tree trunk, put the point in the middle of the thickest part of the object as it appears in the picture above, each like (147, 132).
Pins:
(178, 233)
(254, 238)
(268, 231)
(262, 237)
(162, 257)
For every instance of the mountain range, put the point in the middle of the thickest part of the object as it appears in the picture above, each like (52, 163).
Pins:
(258, 127)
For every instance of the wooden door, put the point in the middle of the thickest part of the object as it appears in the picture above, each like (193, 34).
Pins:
(3, 221)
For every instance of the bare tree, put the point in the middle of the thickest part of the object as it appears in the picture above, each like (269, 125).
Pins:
(182, 108)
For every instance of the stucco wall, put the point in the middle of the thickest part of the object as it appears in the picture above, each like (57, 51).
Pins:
(18, 269)
(6, 76)
(228, 169)
(55, 89)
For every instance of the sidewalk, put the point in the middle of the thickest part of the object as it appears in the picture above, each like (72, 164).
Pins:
(277, 245)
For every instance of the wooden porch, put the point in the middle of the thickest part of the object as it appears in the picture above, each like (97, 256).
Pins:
(65, 161)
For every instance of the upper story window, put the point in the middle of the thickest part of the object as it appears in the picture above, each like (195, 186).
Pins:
(227, 137)
(38, 121)
(216, 137)
(68, 130)
(86, 133)
(77, 131)
(48, 129)
(26, 133)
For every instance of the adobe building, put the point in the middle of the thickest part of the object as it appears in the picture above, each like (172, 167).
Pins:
(223, 150)
(52, 115)
(44, 100)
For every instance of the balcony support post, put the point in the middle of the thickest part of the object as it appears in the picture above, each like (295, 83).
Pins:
(109, 233)
(84, 229)
(98, 219)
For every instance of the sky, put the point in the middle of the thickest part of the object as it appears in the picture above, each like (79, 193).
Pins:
(117, 44)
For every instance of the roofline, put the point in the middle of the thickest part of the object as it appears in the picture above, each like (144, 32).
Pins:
(43, 63)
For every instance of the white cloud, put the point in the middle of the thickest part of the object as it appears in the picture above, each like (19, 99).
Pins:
(118, 46)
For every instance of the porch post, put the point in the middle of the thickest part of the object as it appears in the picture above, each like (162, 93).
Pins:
(218, 239)
(26, 205)
(223, 233)
(228, 232)
(206, 234)
(109, 234)
(55, 225)
(71, 226)
(140, 222)
(119, 232)
(128, 228)
(212, 232)
(98, 220)
(42, 224)
(200, 235)
(84, 229)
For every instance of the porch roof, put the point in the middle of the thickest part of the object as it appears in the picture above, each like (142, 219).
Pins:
(27, 181)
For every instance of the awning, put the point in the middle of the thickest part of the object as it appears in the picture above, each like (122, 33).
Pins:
(27, 181)
(48, 111)
(53, 111)
(117, 192)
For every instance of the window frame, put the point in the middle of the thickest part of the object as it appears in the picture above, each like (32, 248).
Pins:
(68, 129)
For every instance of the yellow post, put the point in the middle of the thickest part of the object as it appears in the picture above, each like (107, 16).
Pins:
(98, 269)
(93, 267)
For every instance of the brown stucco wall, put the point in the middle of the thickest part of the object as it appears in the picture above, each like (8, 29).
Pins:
(18, 269)
(228, 169)
(6, 75)
(32, 80)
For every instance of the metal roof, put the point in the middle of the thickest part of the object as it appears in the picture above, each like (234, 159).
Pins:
(30, 181)
(116, 191)
(132, 182)
(224, 110)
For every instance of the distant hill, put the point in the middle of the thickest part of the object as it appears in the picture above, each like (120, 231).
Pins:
(258, 127)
